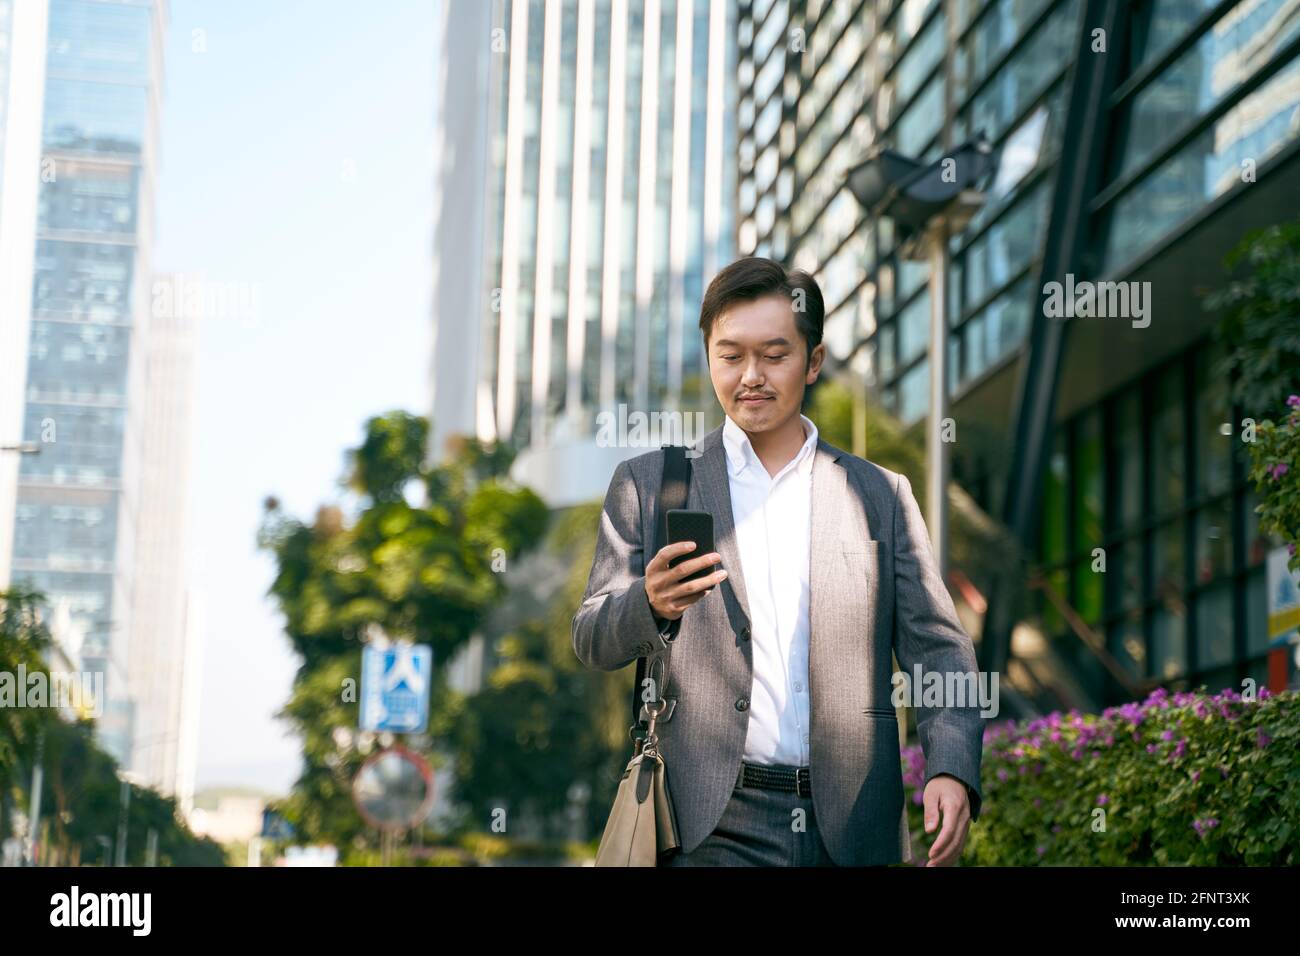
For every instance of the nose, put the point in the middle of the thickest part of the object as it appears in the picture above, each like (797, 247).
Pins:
(752, 376)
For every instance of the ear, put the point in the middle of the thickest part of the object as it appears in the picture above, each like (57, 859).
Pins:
(815, 363)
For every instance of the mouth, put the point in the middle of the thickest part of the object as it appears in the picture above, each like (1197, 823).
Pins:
(755, 399)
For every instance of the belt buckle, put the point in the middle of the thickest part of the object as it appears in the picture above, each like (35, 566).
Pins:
(803, 782)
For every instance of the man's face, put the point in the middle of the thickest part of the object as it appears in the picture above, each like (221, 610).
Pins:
(759, 363)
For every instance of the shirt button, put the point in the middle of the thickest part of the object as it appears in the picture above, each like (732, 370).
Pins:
(742, 704)
(798, 687)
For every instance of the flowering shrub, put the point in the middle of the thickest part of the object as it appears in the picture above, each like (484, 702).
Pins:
(1179, 779)
(1276, 476)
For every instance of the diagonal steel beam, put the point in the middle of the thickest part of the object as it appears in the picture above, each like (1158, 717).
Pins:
(1078, 174)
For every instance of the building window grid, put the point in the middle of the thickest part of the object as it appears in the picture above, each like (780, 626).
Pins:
(1024, 192)
(1119, 537)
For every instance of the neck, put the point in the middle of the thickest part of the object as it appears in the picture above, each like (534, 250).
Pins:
(776, 447)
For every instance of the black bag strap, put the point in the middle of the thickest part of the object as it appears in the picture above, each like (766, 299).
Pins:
(673, 491)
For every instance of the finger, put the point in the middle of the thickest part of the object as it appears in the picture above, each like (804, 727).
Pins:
(931, 798)
(696, 588)
(687, 568)
(947, 835)
(950, 857)
(669, 551)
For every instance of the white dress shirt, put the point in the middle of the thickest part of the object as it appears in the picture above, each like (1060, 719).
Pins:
(772, 516)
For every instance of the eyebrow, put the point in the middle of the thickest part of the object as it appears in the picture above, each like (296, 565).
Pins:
(727, 343)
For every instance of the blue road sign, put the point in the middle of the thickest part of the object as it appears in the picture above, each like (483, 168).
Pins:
(395, 688)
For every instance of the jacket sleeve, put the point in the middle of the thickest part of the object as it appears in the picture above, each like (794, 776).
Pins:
(928, 633)
(615, 624)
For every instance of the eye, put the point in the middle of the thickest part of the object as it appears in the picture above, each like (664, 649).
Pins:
(776, 358)
(730, 358)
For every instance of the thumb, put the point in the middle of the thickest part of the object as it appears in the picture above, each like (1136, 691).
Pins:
(931, 810)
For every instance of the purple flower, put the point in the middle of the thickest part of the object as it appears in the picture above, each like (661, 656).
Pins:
(1293, 401)
(1041, 849)
(1152, 748)
(1002, 774)
(1278, 470)
(1167, 735)
(1196, 775)
(1102, 799)
(1203, 827)
(1262, 739)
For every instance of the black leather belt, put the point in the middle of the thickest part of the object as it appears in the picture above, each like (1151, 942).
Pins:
(797, 780)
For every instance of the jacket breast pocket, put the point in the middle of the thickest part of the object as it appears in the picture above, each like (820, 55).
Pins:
(865, 558)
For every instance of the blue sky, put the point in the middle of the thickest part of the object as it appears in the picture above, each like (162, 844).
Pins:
(294, 158)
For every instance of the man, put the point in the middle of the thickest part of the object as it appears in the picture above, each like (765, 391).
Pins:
(780, 741)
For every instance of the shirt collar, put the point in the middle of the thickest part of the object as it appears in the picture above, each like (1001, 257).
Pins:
(741, 454)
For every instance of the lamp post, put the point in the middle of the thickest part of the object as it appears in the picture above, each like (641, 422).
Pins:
(929, 204)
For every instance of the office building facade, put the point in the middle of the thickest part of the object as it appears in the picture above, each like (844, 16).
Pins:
(77, 504)
(1186, 142)
(22, 70)
(584, 197)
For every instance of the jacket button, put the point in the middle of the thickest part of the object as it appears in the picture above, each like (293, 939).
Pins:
(744, 633)
(742, 704)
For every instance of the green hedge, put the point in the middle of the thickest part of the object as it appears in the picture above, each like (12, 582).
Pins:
(1179, 779)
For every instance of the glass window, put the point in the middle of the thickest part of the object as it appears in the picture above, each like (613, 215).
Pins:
(1214, 627)
(1019, 81)
(1128, 572)
(1247, 136)
(1055, 508)
(1170, 21)
(1169, 641)
(1088, 484)
(1168, 554)
(1232, 50)
(1214, 541)
(1214, 433)
(914, 393)
(1167, 442)
(914, 328)
(1128, 643)
(1257, 638)
(1128, 457)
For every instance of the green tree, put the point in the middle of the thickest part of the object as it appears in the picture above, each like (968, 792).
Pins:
(1260, 325)
(425, 572)
(82, 790)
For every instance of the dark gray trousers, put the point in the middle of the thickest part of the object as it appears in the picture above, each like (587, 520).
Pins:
(761, 828)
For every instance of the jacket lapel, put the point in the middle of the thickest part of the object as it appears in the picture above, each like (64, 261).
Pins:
(831, 518)
(715, 488)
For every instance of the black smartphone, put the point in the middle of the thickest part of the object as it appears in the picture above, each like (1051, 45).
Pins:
(697, 526)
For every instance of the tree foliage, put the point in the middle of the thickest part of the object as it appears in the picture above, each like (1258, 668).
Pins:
(81, 792)
(424, 571)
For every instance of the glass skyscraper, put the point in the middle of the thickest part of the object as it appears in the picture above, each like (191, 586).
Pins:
(22, 67)
(76, 510)
(1196, 145)
(585, 190)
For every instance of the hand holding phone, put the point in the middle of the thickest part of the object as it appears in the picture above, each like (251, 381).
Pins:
(684, 570)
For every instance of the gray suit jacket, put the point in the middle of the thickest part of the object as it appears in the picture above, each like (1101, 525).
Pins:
(874, 588)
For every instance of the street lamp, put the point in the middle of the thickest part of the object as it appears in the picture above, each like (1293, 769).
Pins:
(929, 204)
(23, 448)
